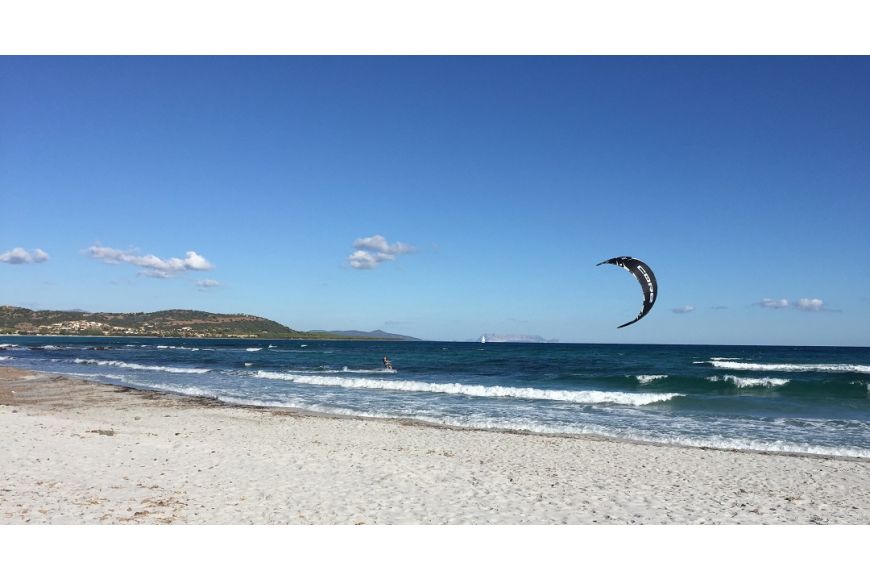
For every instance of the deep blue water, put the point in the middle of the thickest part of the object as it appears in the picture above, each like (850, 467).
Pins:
(803, 399)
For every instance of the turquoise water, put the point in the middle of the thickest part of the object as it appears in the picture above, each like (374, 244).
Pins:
(799, 399)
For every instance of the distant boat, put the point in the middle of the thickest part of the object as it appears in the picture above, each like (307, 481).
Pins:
(482, 339)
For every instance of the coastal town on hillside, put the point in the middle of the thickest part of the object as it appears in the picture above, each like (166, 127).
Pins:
(93, 328)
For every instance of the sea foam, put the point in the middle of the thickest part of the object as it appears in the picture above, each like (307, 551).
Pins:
(346, 370)
(117, 363)
(749, 382)
(646, 379)
(790, 367)
(586, 397)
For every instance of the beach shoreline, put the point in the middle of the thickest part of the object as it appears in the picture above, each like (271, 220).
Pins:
(76, 451)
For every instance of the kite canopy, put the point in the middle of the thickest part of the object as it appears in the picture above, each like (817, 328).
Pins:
(645, 276)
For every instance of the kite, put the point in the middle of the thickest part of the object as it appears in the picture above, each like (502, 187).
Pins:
(645, 276)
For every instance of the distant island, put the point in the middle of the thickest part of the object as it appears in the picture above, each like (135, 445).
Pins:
(513, 338)
(373, 335)
(165, 323)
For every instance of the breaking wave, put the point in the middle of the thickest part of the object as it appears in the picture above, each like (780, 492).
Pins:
(587, 397)
(646, 379)
(790, 367)
(117, 363)
(747, 382)
(163, 346)
(347, 370)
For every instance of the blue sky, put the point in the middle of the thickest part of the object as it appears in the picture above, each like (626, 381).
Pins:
(482, 191)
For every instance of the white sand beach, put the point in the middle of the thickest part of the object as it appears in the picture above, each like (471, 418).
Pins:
(76, 452)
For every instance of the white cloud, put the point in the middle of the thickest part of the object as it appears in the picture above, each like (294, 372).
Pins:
(151, 265)
(362, 260)
(207, 283)
(22, 256)
(813, 304)
(683, 309)
(373, 250)
(805, 304)
(163, 274)
(379, 244)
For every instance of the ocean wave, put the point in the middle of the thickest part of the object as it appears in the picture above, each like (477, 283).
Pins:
(346, 370)
(646, 379)
(253, 349)
(5, 358)
(791, 367)
(97, 376)
(716, 442)
(532, 426)
(749, 382)
(586, 397)
(117, 363)
(725, 358)
(180, 390)
(7, 345)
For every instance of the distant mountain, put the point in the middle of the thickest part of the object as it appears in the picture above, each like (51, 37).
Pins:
(173, 323)
(515, 338)
(373, 335)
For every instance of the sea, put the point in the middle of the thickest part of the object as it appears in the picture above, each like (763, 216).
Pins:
(813, 400)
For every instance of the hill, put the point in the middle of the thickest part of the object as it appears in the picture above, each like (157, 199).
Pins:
(172, 323)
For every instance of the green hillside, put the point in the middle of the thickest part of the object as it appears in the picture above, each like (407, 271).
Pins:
(173, 323)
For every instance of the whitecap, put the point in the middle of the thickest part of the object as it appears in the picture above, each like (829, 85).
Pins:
(116, 363)
(646, 379)
(347, 370)
(749, 382)
(791, 367)
(587, 397)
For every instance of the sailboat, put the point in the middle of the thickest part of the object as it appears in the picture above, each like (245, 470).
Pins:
(482, 339)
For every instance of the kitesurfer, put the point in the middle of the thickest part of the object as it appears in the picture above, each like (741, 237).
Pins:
(387, 363)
